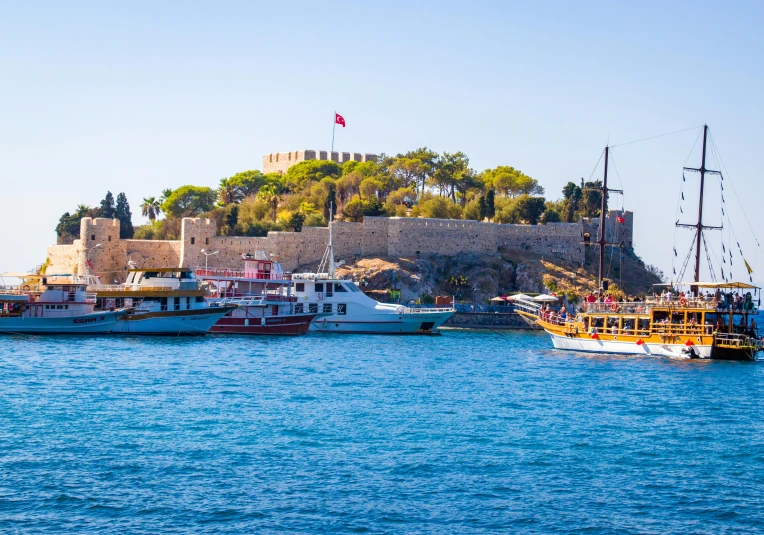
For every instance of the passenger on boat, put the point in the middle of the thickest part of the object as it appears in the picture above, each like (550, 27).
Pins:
(609, 298)
(563, 313)
(590, 298)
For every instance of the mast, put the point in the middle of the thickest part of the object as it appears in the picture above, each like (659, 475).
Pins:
(603, 209)
(699, 235)
(699, 226)
(331, 243)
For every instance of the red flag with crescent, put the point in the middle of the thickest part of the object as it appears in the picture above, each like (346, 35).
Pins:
(339, 119)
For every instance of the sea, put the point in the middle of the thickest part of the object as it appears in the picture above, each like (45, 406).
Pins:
(467, 432)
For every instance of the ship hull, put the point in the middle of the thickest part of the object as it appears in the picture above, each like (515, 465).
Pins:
(94, 323)
(627, 347)
(293, 324)
(171, 323)
(426, 323)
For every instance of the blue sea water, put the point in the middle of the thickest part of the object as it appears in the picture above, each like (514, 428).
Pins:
(469, 432)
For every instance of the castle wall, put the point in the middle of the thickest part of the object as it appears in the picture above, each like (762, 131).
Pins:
(376, 236)
(279, 162)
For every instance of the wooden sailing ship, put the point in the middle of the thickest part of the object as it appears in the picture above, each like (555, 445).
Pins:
(704, 322)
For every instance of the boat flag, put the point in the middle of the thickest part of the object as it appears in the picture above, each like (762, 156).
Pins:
(748, 267)
(620, 219)
(640, 342)
(90, 264)
(339, 119)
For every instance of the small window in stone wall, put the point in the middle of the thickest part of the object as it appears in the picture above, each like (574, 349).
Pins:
(92, 237)
(193, 241)
(206, 241)
(109, 238)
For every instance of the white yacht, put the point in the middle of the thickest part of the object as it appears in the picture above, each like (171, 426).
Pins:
(346, 309)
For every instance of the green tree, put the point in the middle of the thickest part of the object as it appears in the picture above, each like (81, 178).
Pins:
(592, 198)
(482, 208)
(572, 196)
(189, 201)
(125, 216)
(295, 221)
(530, 208)
(353, 210)
(229, 192)
(490, 204)
(550, 215)
(310, 171)
(107, 208)
(151, 208)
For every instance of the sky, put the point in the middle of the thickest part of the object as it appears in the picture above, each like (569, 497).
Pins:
(142, 96)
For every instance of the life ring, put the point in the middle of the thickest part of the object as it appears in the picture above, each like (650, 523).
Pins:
(614, 307)
(683, 301)
(26, 288)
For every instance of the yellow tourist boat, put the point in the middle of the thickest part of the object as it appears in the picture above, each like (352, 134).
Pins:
(691, 326)
(686, 327)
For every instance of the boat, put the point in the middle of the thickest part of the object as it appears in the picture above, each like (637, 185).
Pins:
(347, 309)
(681, 322)
(262, 293)
(161, 301)
(52, 304)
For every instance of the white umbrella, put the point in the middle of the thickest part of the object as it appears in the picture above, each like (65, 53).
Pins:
(521, 297)
(545, 298)
(498, 299)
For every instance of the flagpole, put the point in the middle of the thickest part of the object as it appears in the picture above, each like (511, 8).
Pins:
(334, 125)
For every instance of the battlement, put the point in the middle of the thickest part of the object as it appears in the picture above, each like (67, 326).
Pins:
(279, 162)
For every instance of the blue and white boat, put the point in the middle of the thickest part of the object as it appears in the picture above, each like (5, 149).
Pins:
(53, 304)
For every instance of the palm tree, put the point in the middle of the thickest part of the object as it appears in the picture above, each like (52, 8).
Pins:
(151, 208)
(165, 195)
(228, 192)
(274, 201)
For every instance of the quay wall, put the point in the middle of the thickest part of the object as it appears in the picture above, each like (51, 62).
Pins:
(375, 236)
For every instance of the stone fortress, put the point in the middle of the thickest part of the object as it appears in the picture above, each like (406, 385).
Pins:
(375, 236)
(279, 162)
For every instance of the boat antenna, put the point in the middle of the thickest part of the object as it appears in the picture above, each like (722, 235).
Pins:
(699, 226)
(331, 243)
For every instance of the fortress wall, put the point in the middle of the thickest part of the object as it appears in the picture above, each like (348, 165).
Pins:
(614, 232)
(560, 239)
(375, 239)
(153, 253)
(64, 258)
(376, 236)
(406, 236)
(279, 162)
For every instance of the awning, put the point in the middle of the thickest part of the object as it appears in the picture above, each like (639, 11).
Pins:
(20, 275)
(545, 298)
(721, 285)
(498, 299)
(520, 297)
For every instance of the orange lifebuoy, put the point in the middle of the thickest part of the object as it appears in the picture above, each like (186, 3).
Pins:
(683, 301)
(614, 307)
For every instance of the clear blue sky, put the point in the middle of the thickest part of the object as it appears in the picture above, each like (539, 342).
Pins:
(137, 97)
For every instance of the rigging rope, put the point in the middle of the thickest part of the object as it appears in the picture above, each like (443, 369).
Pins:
(655, 137)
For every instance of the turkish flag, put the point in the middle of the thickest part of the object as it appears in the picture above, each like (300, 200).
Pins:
(339, 119)
(620, 219)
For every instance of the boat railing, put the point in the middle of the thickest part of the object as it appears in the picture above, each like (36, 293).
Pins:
(241, 274)
(253, 301)
(184, 286)
(644, 307)
(737, 341)
(21, 289)
(424, 310)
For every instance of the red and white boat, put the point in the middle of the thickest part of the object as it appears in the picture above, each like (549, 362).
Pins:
(263, 293)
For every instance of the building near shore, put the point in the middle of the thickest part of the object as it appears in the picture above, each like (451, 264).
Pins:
(279, 162)
(109, 255)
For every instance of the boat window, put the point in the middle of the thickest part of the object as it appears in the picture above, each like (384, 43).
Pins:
(186, 275)
(298, 309)
(677, 318)
(319, 286)
(339, 288)
(47, 307)
(628, 325)
(644, 325)
(327, 308)
(313, 308)
(199, 299)
(352, 287)
(598, 322)
(342, 309)
(299, 287)
(149, 275)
